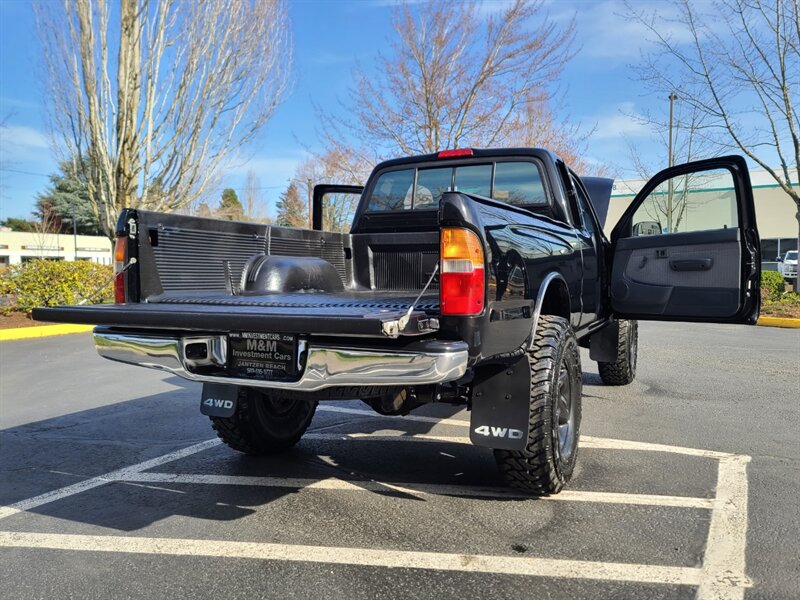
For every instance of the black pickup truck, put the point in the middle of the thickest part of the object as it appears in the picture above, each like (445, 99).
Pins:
(468, 276)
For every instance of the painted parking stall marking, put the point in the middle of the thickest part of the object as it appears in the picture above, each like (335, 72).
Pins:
(721, 575)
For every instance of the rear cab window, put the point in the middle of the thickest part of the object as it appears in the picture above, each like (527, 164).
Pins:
(419, 188)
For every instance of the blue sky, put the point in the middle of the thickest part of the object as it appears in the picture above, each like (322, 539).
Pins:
(329, 37)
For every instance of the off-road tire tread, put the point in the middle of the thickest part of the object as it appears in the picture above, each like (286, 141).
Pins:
(620, 372)
(534, 469)
(241, 431)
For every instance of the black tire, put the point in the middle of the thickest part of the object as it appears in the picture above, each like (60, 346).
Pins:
(264, 423)
(547, 462)
(623, 370)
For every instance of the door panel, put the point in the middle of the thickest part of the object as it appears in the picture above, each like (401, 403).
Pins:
(687, 247)
(696, 271)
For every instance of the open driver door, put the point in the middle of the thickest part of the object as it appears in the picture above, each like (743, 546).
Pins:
(687, 248)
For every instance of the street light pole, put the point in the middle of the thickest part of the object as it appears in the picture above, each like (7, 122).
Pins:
(74, 233)
(310, 203)
(672, 97)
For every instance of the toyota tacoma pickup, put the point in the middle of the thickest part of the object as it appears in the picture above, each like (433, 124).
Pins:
(468, 276)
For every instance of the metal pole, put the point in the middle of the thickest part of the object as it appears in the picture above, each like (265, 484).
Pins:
(672, 97)
(310, 208)
(74, 233)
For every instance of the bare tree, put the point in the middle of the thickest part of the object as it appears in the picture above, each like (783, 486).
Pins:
(254, 206)
(341, 165)
(451, 78)
(739, 67)
(46, 229)
(157, 101)
(538, 126)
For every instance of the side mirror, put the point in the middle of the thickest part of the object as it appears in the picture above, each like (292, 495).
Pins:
(779, 259)
(646, 228)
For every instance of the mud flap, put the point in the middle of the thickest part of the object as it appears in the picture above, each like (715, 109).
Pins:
(501, 400)
(604, 343)
(219, 400)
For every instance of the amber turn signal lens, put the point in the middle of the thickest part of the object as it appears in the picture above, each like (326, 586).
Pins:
(120, 252)
(462, 282)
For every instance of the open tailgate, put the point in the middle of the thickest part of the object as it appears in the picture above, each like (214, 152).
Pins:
(343, 314)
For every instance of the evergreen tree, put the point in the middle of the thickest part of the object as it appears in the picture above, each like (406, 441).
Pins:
(68, 195)
(16, 224)
(229, 207)
(291, 208)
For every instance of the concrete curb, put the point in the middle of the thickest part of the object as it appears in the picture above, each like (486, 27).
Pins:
(37, 331)
(779, 322)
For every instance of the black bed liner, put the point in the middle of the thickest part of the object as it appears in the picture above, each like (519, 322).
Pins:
(345, 300)
(362, 313)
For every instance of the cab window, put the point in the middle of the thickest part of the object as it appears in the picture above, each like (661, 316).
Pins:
(431, 184)
(474, 179)
(519, 183)
(515, 182)
(392, 191)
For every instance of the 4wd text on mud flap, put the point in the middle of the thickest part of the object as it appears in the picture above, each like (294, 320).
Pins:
(217, 403)
(512, 434)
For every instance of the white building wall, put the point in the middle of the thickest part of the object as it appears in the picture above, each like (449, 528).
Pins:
(18, 246)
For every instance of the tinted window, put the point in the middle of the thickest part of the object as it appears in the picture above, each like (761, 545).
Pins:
(514, 182)
(392, 191)
(431, 184)
(474, 179)
(519, 183)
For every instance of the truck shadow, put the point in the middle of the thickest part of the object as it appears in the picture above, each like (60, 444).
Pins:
(48, 455)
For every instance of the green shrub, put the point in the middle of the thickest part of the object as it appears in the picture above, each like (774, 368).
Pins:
(772, 285)
(50, 283)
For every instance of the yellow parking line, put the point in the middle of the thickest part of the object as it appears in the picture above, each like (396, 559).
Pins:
(37, 331)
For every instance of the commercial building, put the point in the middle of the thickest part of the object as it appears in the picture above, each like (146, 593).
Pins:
(711, 197)
(18, 247)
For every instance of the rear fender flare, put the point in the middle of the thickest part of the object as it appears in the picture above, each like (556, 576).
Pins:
(548, 280)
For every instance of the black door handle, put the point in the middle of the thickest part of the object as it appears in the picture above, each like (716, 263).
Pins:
(691, 264)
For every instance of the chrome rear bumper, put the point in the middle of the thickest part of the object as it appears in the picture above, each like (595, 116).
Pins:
(325, 367)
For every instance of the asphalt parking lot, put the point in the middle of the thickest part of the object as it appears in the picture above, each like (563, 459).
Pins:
(112, 484)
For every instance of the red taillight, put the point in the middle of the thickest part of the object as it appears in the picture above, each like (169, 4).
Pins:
(455, 153)
(120, 255)
(461, 283)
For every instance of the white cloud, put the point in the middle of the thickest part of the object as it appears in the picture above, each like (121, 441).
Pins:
(619, 124)
(604, 31)
(20, 136)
